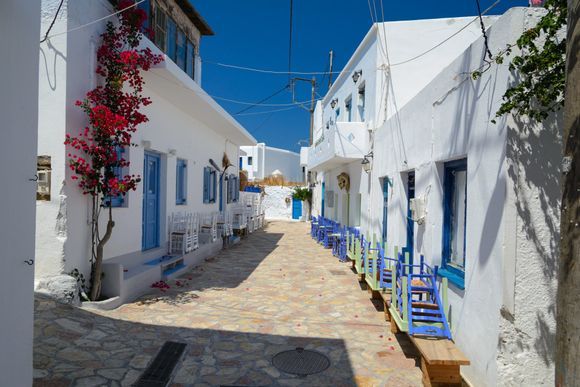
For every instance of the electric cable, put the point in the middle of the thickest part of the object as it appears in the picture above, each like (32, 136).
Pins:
(52, 23)
(266, 111)
(263, 100)
(290, 40)
(264, 104)
(449, 37)
(94, 21)
(485, 42)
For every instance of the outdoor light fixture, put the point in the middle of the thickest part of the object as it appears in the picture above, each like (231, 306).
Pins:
(333, 103)
(356, 76)
(366, 162)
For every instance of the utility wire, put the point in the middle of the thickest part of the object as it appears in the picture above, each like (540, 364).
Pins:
(52, 23)
(450, 37)
(94, 21)
(483, 31)
(290, 40)
(268, 71)
(263, 104)
(263, 100)
(265, 111)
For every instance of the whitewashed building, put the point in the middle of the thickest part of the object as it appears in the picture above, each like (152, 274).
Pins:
(19, 112)
(179, 152)
(486, 196)
(261, 161)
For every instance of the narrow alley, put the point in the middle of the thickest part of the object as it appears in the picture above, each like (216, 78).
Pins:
(276, 291)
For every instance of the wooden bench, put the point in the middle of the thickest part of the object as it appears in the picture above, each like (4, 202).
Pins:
(440, 361)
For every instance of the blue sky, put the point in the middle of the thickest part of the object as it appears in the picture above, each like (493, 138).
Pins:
(254, 33)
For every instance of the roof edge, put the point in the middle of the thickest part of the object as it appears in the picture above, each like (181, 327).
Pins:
(195, 17)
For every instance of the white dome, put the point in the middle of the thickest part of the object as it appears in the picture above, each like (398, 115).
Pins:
(277, 172)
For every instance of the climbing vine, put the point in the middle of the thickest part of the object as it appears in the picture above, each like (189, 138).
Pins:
(113, 115)
(540, 67)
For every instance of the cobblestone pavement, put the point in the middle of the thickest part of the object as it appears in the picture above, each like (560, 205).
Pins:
(275, 291)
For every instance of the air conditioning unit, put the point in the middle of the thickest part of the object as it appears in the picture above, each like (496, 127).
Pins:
(418, 210)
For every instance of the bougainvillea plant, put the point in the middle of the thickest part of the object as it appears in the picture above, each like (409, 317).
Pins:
(113, 115)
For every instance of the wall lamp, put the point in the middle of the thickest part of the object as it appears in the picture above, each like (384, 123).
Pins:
(356, 76)
(333, 103)
(366, 162)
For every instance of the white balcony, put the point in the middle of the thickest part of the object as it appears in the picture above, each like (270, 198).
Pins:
(342, 143)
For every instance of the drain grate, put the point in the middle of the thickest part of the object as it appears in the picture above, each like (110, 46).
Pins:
(301, 362)
(159, 371)
(337, 272)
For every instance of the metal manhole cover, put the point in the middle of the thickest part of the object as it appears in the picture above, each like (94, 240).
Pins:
(301, 362)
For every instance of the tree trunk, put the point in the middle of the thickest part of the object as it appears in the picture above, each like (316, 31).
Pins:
(98, 269)
(568, 298)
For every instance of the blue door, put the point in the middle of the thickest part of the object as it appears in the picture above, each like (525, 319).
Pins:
(151, 201)
(296, 208)
(385, 206)
(322, 207)
(410, 223)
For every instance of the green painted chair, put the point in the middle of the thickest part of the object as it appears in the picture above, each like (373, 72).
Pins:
(359, 254)
(416, 307)
(372, 265)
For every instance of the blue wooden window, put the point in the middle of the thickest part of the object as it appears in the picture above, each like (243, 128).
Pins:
(181, 50)
(209, 185)
(181, 182)
(171, 39)
(233, 188)
(454, 221)
(160, 29)
(190, 61)
(119, 200)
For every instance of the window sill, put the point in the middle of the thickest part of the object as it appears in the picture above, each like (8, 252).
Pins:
(456, 279)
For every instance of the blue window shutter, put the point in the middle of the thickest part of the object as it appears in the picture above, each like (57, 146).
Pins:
(449, 187)
(236, 189)
(181, 182)
(214, 185)
(118, 200)
(206, 185)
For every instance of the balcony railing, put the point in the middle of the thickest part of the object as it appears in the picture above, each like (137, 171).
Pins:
(342, 143)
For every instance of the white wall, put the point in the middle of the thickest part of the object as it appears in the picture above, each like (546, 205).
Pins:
(20, 28)
(267, 159)
(504, 319)
(184, 122)
(512, 210)
(275, 202)
(284, 161)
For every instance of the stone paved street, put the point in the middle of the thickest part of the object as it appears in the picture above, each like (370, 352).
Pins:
(274, 291)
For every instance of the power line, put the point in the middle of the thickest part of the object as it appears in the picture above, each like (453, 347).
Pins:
(266, 111)
(448, 38)
(52, 23)
(290, 40)
(263, 100)
(94, 21)
(263, 104)
(483, 31)
(268, 71)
